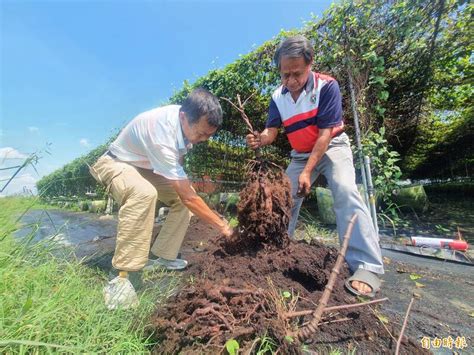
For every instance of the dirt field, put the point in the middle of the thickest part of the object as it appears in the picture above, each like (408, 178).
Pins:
(241, 296)
(444, 310)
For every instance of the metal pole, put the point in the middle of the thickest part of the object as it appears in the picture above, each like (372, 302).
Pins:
(371, 192)
(15, 174)
(358, 142)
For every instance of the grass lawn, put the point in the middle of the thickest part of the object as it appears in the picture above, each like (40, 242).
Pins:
(51, 304)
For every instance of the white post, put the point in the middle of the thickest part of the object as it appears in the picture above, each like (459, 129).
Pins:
(371, 193)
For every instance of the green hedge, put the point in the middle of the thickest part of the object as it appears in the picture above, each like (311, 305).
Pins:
(403, 56)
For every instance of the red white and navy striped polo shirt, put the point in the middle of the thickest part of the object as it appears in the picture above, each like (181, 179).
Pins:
(318, 106)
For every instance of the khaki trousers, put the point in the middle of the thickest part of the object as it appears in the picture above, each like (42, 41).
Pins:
(137, 191)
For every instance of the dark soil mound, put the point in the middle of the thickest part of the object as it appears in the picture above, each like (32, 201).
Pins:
(242, 297)
(245, 287)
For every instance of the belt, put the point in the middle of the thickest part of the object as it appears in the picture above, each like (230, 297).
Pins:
(110, 154)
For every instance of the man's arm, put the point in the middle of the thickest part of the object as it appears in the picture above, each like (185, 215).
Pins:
(319, 149)
(197, 206)
(266, 137)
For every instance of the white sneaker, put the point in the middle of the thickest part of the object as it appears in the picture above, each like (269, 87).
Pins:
(160, 263)
(120, 294)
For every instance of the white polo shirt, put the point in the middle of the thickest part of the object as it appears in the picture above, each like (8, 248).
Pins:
(153, 140)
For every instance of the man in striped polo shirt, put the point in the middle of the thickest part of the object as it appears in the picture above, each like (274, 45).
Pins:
(309, 107)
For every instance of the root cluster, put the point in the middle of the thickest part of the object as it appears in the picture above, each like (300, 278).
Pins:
(264, 209)
(213, 314)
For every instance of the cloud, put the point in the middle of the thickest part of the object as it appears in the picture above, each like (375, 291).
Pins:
(21, 184)
(33, 129)
(84, 142)
(11, 153)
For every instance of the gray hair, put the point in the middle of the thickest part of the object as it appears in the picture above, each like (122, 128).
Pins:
(201, 102)
(294, 47)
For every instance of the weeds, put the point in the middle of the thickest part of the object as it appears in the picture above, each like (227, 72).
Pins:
(266, 345)
(52, 304)
(313, 228)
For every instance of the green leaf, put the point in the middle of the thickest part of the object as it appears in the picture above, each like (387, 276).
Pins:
(289, 339)
(370, 56)
(383, 95)
(27, 305)
(414, 277)
(382, 318)
(379, 109)
(286, 294)
(232, 346)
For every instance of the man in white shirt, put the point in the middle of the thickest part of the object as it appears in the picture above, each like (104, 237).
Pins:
(145, 164)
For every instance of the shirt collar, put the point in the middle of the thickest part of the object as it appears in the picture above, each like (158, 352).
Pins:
(182, 140)
(308, 86)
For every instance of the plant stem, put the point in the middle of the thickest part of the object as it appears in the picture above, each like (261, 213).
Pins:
(336, 308)
(405, 321)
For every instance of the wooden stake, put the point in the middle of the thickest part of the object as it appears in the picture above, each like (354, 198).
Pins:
(305, 332)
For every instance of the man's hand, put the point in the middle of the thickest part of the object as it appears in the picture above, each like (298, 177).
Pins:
(304, 184)
(226, 230)
(254, 140)
(319, 149)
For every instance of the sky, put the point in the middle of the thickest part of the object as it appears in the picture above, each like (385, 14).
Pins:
(73, 73)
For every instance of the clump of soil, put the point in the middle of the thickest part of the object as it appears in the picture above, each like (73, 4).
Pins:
(264, 209)
(246, 287)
